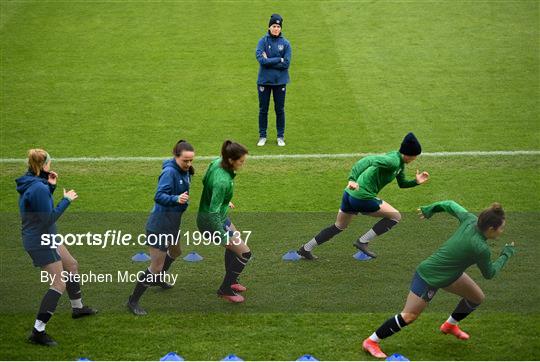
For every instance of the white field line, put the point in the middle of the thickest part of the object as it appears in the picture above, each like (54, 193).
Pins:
(282, 157)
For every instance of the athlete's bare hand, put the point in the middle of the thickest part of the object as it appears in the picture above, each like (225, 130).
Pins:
(509, 250)
(71, 194)
(353, 185)
(421, 214)
(53, 177)
(182, 199)
(421, 177)
(231, 205)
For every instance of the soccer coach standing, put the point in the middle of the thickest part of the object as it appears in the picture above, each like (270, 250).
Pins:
(274, 56)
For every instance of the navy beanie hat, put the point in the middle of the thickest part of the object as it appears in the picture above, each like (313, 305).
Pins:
(275, 19)
(410, 145)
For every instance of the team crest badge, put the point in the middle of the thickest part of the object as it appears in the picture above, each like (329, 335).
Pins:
(261, 89)
(280, 47)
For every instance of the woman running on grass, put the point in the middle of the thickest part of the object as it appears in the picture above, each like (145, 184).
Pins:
(368, 177)
(212, 219)
(446, 269)
(163, 225)
(39, 216)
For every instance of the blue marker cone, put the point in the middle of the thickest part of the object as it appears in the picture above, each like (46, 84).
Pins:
(360, 255)
(84, 359)
(291, 255)
(140, 257)
(397, 357)
(232, 357)
(307, 357)
(193, 256)
(171, 356)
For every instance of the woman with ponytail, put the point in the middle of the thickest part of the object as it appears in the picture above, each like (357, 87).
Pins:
(446, 269)
(163, 225)
(39, 217)
(218, 187)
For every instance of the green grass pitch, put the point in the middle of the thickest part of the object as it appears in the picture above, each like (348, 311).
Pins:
(115, 78)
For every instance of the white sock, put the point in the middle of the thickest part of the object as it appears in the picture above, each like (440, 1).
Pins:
(374, 337)
(39, 325)
(76, 303)
(367, 237)
(310, 244)
(452, 321)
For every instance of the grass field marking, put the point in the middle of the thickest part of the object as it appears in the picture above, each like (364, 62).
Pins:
(283, 157)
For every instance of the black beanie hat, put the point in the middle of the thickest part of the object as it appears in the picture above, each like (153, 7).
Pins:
(275, 19)
(410, 145)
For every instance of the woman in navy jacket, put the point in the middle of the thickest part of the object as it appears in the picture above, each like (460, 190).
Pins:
(163, 225)
(274, 56)
(38, 215)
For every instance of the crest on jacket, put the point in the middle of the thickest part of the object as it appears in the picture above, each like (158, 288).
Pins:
(280, 47)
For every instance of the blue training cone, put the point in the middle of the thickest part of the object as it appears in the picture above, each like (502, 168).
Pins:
(140, 257)
(360, 255)
(291, 255)
(84, 359)
(171, 356)
(397, 357)
(307, 357)
(193, 256)
(232, 357)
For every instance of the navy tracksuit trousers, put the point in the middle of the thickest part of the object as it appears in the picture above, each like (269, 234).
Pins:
(279, 106)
